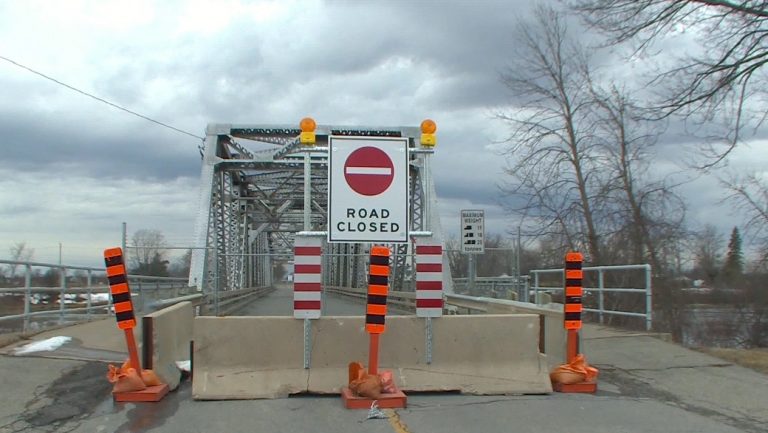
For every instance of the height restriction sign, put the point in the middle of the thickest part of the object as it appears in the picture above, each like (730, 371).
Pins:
(368, 189)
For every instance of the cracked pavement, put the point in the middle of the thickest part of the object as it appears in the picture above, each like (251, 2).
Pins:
(645, 385)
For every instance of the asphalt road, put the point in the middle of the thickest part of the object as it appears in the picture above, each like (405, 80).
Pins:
(645, 385)
(73, 396)
(280, 303)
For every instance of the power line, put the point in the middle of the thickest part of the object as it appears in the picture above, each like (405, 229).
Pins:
(82, 92)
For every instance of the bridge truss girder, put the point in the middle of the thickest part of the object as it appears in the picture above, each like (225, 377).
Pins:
(251, 206)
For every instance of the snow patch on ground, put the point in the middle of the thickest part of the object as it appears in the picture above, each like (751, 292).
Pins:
(184, 365)
(48, 345)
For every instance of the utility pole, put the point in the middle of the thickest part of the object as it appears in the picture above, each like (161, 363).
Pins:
(124, 239)
(59, 253)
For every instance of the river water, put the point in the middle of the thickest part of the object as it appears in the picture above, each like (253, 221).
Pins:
(721, 326)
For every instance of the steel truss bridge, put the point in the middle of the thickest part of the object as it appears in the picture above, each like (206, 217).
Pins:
(260, 187)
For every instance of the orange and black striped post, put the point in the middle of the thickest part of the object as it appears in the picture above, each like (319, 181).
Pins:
(574, 291)
(376, 309)
(121, 300)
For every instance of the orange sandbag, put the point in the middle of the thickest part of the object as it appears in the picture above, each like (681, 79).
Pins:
(356, 371)
(368, 386)
(113, 374)
(150, 378)
(387, 382)
(127, 381)
(576, 371)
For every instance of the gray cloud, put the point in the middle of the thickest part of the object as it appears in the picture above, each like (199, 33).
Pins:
(354, 62)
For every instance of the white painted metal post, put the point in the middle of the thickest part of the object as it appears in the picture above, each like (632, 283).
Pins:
(307, 191)
(216, 286)
(124, 238)
(471, 279)
(63, 285)
(428, 339)
(27, 294)
(600, 300)
(648, 299)
(425, 202)
(522, 296)
(307, 343)
(88, 282)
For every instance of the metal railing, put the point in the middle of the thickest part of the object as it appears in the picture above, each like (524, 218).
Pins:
(73, 283)
(497, 287)
(646, 290)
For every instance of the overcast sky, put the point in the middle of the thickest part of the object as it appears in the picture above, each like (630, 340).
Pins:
(72, 169)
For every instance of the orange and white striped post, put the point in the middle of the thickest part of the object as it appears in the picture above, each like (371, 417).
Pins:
(376, 308)
(375, 325)
(574, 292)
(575, 362)
(121, 300)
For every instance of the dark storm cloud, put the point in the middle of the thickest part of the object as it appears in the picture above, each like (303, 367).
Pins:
(47, 144)
(437, 58)
(462, 45)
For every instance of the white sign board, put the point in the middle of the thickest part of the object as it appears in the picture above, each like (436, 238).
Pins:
(368, 189)
(472, 231)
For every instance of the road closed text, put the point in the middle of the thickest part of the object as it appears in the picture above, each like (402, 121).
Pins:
(362, 220)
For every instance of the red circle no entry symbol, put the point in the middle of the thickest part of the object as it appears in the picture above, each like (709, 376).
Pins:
(369, 171)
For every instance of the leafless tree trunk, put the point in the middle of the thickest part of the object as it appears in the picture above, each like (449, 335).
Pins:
(628, 139)
(20, 252)
(551, 157)
(749, 196)
(148, 246)
(708, 254)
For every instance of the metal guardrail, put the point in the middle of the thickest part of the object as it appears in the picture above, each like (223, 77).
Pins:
(407, 301)
(224, 302)
(500, 286)
(402, 300)
(71, 285)
(600, 290)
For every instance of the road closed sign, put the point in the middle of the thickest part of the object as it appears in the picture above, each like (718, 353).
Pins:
(368, 189)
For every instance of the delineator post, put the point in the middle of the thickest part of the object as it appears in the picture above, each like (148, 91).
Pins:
(126, 320)
(574, 292)
(375, 325)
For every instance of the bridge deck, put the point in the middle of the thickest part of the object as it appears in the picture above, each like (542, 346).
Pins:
(646, 384)
(280, 303)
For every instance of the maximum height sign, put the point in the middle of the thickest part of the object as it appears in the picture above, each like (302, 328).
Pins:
(472, 231)
(368, 189)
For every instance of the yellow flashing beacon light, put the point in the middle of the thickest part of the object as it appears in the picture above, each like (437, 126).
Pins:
(428, 129)
(308, 127)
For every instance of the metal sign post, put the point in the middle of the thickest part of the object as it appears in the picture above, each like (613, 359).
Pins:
(472, 241)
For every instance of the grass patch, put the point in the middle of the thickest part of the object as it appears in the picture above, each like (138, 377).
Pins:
(756, 359)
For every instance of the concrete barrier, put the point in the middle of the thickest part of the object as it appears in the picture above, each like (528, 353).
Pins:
(552, 331)
(262, 357)
(552, 338)
(166, 337)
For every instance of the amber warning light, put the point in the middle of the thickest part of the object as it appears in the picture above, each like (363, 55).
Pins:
(428, 129)
(308, 127)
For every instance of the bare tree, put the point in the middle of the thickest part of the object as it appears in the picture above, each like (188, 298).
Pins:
(550, 156)
(724, 74)
(180, 268)
(148, 255)
(647, 213)
(499, 257)
(749, 196)
(708, 254)
(19, 252)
